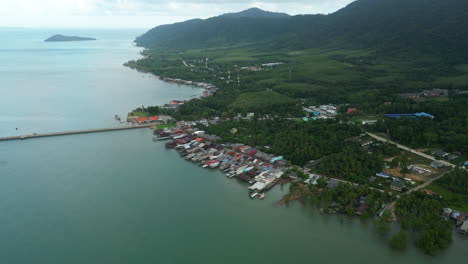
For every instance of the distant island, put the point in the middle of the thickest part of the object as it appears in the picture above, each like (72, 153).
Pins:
(60, 38)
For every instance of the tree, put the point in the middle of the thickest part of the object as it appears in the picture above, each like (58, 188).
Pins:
(383, 225)
(399, 241)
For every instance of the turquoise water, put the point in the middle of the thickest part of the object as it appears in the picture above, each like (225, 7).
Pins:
(120, 198)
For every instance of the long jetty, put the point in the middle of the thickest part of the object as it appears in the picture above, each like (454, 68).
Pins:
(88, 131)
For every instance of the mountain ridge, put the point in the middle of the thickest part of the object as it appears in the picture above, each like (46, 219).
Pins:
(427, 26)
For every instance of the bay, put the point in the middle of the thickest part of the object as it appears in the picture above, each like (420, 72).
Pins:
(58, 86)
(118, 197)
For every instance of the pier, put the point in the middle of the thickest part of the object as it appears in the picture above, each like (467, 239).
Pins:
(87, 131)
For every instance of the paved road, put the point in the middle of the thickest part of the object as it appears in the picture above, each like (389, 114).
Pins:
(411, 150)
(419, 187)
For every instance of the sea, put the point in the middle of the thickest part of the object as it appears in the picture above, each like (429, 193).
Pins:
(118, 197)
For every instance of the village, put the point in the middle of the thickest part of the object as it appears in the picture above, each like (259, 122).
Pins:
(261, 170)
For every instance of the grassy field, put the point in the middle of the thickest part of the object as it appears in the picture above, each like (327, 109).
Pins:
(165, 126)
(139, 114)
(260, 100)
(455, 200)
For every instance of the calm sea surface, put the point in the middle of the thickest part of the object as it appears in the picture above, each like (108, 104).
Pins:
(118, 197)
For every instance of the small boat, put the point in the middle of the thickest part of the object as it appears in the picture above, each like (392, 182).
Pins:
(261, 196)
(204, 166)
(254, 195)
(117, 117)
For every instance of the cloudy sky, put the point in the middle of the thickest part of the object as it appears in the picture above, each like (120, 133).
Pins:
(141, 13)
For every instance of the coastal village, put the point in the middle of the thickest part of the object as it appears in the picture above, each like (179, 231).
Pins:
(261, 171)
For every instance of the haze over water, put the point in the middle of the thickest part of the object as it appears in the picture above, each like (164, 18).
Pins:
(118, 197)
(57, 86)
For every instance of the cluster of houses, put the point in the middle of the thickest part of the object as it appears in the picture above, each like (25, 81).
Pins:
(419, 169)
(261, 67)
(363, 141)
(135, 119)
(422, 96)
(321, 112)
(445, 155)
(261, 170)
(396, 184)
(460, 218)
(210, 89)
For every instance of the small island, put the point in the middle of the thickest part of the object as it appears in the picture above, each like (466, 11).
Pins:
(61, 38)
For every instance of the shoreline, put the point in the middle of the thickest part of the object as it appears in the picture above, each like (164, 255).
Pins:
(260, 170)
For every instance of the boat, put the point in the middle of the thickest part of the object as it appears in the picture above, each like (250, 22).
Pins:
(116, 117)
(254, 195)
(261, 196)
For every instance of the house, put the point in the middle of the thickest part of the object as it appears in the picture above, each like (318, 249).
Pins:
(397, 186)
(332, 184)
(383, 175)
(462, 218)
(273, 160)
(455, 215)
(369, 122)
(361, 209)
(350, 110)
(447, 212)
(141, 120)
(312, 164)
(440, 153)
(310, 111)
(437, 165)
(435, 92)
(464, 228)
(366, 143)
(452, 157)
(293, 175)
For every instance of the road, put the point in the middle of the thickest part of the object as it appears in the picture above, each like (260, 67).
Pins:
(425, 184)
(411, 150)
(36, 135)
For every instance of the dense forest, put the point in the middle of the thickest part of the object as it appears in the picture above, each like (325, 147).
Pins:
(353, 164)
(393, 26)
(298, 141)
(421, 213)
(448, 130)
(348, 198)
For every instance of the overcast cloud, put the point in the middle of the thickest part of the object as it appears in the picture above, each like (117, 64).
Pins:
(141, 13)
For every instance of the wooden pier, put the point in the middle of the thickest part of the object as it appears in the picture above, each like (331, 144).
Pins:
(39, 135)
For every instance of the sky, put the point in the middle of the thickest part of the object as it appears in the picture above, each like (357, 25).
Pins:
(141, 13)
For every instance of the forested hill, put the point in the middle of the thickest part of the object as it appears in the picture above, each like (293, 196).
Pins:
(429, 26)
(253, 25)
